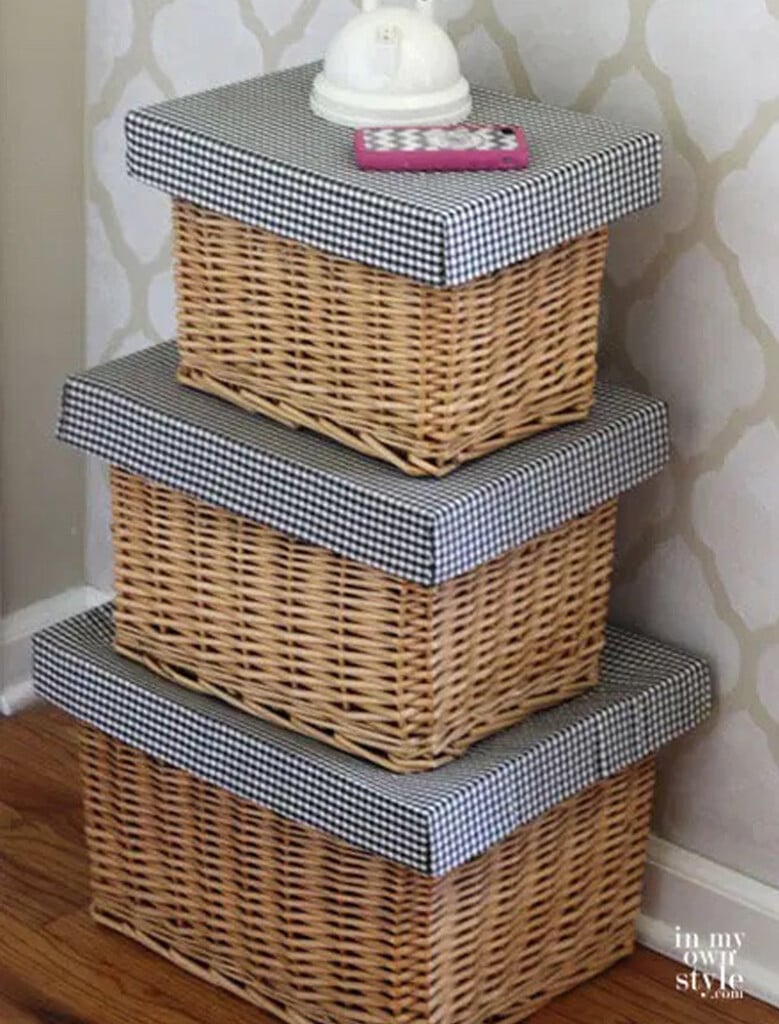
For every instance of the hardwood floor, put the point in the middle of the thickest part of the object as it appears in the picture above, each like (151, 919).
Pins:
(57, 967)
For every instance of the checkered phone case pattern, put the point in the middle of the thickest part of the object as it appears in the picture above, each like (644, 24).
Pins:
(456, 148)
(433, 140)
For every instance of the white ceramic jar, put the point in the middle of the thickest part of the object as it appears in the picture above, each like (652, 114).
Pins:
(392, 66)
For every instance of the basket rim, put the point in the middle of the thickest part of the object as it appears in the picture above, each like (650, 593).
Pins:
(648, 695)
(426, 531)
(239, 157)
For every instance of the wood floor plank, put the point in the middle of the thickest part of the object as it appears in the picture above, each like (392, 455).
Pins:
(75, 970)
(9, 816)
(12, 1014)
(39, 773)
(643, 990)
(40, 745)
(549, 1015)
(43, 864)
(27, 1001)
(739, 1011)
(58, 967)
(602, 1001)
(42, 874)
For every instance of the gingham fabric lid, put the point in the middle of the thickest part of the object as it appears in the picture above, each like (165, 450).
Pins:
(133, 413)
(255, 152)
(648, 695)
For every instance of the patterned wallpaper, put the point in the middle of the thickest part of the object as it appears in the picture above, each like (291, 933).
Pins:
(692, 310)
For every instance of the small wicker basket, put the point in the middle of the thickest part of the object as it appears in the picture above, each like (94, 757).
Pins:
(425, 378)
(318, 932)
(405, 675)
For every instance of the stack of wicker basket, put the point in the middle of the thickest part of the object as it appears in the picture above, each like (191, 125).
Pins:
(360, 588)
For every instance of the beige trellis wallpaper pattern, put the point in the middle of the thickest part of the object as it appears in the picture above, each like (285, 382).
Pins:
(693, 310)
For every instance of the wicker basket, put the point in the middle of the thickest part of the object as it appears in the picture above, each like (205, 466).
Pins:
(404, 675)
(319, 932)
(425, 378)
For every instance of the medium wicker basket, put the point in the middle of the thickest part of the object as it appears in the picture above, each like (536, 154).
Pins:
(405, 675)
(425, 378)
(318, 932)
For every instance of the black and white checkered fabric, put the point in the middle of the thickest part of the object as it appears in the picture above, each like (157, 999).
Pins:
(649, 694)
(133, 413)
(255, 151)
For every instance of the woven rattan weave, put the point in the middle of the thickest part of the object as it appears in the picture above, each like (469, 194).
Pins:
(319, 932)
(405, 675)
(425, 378)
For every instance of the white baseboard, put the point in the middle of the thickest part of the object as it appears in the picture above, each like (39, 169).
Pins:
(17, 631)
(697, 895)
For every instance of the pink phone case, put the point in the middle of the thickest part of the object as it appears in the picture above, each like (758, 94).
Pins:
(455, 148)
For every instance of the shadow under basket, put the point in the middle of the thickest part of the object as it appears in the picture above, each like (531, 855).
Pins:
(425, 378)
(401, 674)
(318, 932)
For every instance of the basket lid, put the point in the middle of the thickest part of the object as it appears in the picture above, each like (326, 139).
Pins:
(255, 151)
(648, 695)
(133, 413)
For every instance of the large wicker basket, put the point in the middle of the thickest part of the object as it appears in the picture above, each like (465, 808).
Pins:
(425, 378)
(318, 932)
(405, 675)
